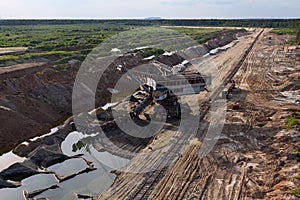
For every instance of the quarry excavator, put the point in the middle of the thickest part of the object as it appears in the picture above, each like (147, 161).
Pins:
(163, 92)
(147, 96)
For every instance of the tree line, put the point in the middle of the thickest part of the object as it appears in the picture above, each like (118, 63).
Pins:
(263, 23)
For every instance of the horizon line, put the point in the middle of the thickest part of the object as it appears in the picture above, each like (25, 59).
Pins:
(147, 18)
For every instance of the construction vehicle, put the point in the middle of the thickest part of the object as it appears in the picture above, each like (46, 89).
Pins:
(142, 99)
(163, 91)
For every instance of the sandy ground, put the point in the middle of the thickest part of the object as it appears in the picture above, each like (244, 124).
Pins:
(12, 50)
(18, 67)
(253, 157)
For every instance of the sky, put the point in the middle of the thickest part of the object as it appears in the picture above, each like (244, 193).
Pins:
(139, 9)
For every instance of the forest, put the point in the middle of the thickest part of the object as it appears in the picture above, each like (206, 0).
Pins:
(263, 23)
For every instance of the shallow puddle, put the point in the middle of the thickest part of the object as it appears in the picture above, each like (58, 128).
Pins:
(69, 167)
(92, 182)
(32, 183)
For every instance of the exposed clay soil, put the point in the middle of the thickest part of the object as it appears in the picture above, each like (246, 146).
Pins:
(32, 97)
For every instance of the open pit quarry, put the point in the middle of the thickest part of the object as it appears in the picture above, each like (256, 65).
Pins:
(252, 159)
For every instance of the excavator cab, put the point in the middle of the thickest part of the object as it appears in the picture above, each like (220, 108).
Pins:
(160, 94)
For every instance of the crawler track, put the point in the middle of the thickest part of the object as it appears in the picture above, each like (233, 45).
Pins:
(237, 67)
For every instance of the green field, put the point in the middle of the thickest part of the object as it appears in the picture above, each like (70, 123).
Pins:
(284, 31)
(60, 43)
(201, 35)
(289, 31)
(56, 37)
(54, 42)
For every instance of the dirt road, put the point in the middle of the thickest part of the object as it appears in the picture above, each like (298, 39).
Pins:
(253, 157)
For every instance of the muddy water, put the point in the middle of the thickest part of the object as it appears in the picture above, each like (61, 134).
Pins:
(91, 183)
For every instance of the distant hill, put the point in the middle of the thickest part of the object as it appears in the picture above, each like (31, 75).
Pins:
(153, 18)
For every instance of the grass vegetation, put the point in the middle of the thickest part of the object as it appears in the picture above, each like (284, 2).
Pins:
(201, 35)
(284, 31)
(295, 31)
(297, 192)
(55, 42)
(63, 42)
(56, 37)
(293, 121)
(8, 58)
(151, 51)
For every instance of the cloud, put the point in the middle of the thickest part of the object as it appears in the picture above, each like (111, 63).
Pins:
(194, 2)
(145, 8)
(221, 2)
(179, 2)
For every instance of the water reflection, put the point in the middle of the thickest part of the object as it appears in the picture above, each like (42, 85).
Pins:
(90, 153)
(32, 183)
(90, 183)
(69, 167)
